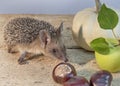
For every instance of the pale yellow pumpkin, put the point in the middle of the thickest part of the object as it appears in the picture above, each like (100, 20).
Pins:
(86, 28)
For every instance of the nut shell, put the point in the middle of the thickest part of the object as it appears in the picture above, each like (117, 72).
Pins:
(77, 81)
(63, 72)
(101, 78)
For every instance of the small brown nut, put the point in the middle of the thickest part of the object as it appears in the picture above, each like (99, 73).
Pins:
(101, 78)
(77, 81)
(63, 72)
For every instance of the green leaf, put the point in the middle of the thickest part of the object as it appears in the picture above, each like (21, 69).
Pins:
(107, 18)
(100, 45)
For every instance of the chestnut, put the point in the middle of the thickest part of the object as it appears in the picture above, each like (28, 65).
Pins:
(76, 81)
(63, 72)
(101, 78)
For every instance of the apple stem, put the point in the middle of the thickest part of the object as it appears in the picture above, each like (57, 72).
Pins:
(98, 5)
(115, 37)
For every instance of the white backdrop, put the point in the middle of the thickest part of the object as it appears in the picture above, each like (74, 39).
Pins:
(50, 6)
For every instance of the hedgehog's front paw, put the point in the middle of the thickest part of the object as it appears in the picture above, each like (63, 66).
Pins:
(22, 60)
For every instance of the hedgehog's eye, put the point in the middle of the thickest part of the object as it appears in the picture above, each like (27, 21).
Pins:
(54, 50)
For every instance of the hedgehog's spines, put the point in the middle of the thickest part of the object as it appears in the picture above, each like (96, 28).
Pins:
(25, 30)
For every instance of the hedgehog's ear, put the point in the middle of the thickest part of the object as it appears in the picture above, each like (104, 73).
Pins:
(59, 30)
(44, 38)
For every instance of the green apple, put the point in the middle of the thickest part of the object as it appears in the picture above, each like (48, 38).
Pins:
(107, 54)
(111, 61)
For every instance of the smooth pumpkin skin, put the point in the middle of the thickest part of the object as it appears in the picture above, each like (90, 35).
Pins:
(110, 62)
(86, 28)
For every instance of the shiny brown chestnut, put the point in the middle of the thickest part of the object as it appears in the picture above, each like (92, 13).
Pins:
(76, 81)
(63, 72)
(101, 78)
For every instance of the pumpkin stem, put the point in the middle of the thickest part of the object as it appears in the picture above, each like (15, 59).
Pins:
(98, 5)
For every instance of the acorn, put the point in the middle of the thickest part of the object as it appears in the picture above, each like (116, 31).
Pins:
(101, 78)
(63, 72)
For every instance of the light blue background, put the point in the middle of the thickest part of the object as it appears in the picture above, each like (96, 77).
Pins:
(49, 6)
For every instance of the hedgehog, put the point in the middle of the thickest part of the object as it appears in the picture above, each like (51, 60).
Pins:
(32, 36)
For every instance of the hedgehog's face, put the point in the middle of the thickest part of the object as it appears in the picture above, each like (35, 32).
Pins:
(56, 49)
(52, 45)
